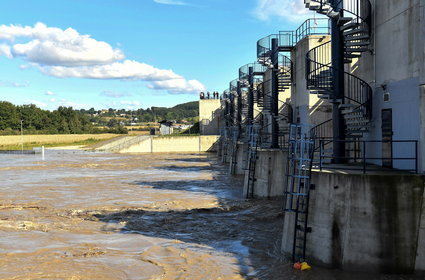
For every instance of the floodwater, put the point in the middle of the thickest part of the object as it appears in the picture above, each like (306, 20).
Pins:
(83, 215)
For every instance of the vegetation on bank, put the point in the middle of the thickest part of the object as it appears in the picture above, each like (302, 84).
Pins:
(13, 142)
(66, 120)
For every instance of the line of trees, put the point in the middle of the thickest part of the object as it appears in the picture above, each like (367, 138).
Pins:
(64, 120)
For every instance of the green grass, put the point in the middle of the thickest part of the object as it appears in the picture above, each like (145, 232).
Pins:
(179, 135)
(29, 146)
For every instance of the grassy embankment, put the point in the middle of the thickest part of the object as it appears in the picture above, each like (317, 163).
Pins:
(14, 142)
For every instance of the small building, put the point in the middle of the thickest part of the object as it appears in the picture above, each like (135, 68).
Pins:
(165, 127)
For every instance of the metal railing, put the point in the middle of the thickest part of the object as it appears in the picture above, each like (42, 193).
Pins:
(257, 69)
(359, 155)
(320, 73)
(288, 39)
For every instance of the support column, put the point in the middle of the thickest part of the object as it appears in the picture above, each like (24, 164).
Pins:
(239, 108)
(338, 83)
(232, 108)
(250, 116)
(275, 94)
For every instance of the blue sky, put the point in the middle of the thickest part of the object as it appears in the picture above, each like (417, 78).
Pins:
(130, 53)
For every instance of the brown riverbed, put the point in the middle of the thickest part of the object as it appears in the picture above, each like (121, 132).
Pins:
(83, 215)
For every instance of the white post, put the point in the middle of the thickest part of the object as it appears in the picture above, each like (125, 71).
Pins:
(42, 152)
(22, 138)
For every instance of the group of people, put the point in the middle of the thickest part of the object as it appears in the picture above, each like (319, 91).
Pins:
(215, 95)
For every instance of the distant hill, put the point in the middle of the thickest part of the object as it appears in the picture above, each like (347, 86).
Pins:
(194, 105)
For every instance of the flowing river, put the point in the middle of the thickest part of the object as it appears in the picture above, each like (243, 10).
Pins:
(84, 215)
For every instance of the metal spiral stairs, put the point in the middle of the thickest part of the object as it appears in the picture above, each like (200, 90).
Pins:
(250, 75)
(354, 21)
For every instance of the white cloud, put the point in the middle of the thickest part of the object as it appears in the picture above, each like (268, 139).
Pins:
(128, 69)
(54, 46)
(68, 54)
(6, 51)
(50, 93)
(171, 2)
(292, 10)
(178, 86)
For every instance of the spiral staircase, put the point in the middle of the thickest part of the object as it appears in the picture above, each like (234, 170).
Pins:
(353, 18)
(355, 105)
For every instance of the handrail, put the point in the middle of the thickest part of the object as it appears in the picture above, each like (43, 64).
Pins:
(363, 158)
(319, 76)
(361, 9)
(285, 63)
(288, 39)
(257, 69)
(233, 85)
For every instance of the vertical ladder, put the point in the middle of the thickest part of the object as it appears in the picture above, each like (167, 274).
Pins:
(234, 149)
(297, 192)
(252, 160)
(225, 145)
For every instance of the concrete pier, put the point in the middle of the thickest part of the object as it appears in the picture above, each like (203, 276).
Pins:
(269, 173)
(365, 222)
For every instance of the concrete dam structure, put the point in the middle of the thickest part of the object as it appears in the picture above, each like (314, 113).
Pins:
(330, 118)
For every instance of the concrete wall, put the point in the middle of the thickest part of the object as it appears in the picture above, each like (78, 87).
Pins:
(209, 116)
(269, 173)
(397, 61)
(308, 108)
(420, 260)
(174, 144)
(365, 222)
(404, 101)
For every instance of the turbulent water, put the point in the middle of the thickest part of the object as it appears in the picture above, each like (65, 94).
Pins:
(82, 215)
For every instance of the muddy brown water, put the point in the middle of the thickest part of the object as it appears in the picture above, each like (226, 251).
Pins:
(84, 215)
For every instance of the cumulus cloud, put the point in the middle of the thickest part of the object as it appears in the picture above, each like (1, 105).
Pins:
(171, 2)
(128, 69)
(54, 46)
(69, 54)
(293, 10)
(178, 86)
(6, 51)
(50, 93)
